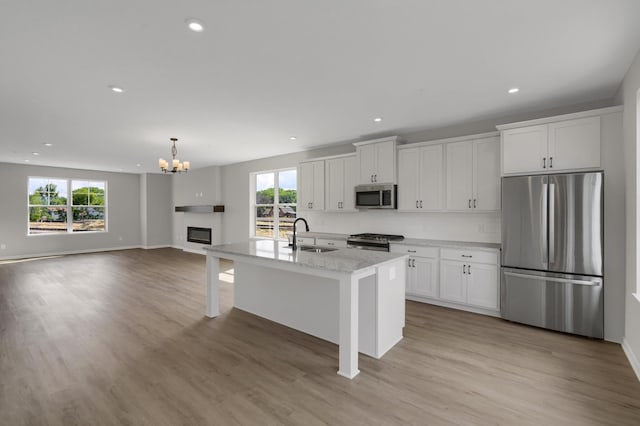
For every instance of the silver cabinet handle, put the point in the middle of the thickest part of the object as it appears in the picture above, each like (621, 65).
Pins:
(544, 162)
(420, 203)
(331, 244)
(466, 255)
(464, 269)
(552, 279)
(474, 203)
(311, 203)
(551, 162)
(411, 251)
(416, 204)
(469, 203)
(409, 263)
(413, 263)
(375, 178)
(469, 269)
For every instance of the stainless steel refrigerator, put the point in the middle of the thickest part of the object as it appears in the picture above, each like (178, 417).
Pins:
(552, 252)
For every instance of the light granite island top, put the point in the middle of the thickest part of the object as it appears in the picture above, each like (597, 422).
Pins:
(354, 298)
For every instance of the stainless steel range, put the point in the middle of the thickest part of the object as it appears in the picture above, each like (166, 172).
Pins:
(378, 242)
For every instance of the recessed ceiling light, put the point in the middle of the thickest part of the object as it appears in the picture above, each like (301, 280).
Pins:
(116, 89)
(195, 25)
(138, 165)
(26, 161)
(35, 153)
(514, 90)
(292, 138)
(377, 119)
(47, 144)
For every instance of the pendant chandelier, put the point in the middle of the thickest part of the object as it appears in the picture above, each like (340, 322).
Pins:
(176, 165)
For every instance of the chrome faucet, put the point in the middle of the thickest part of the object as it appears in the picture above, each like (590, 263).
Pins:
(293, 244)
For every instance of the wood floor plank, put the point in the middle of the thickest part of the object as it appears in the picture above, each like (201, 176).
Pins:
(120, 338)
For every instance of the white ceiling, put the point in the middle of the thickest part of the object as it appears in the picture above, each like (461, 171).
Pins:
(263, 71)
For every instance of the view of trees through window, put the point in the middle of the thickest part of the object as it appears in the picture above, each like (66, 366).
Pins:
(49, 206)
(275, 192)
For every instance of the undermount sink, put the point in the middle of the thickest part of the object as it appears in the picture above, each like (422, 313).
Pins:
(316, 249)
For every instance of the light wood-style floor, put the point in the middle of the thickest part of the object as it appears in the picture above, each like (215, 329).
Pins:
(120, 338)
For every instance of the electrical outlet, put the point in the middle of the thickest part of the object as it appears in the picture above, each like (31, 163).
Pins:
(3, 246)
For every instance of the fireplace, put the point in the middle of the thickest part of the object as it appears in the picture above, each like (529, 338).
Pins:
(199, 235)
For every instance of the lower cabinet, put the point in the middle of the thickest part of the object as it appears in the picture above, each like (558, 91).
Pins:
(470, 283)
(459, 278)
(422, 276)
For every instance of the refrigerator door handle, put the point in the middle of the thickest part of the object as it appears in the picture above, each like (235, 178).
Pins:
(552, 279)
(543, 226)
(552, 221)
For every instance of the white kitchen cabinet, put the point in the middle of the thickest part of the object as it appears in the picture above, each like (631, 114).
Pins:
(377, 160)
(420, 178)
(473, 175)
(341, 177)
(557, 146)
(472, 280)
(422, 269)
(311, 185)
(574, 144)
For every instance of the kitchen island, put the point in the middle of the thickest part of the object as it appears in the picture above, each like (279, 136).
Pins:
(351, 297)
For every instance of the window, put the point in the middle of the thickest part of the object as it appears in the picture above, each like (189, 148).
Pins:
(274, 203)
(50, 205)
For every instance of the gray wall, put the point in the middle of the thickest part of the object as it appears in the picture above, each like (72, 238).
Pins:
(628, 95)
(123, 213)
(156, 219)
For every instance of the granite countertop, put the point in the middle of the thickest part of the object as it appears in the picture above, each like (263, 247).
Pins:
(340, 260)
(327, 235)
(448, 244)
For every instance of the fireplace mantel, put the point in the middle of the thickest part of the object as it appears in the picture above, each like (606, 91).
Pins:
(200, 209)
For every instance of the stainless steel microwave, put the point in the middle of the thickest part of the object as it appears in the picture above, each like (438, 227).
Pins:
(377, 196)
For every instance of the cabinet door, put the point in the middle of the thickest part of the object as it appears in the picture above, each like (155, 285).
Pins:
(350, 182)
(305, 192)
(453, 281)
(524, 149)
(335, 184)
(574, 144)
(431, 178)
(460, 175)
(482, 285)
(368, 160)
(318, 186)
(408, 172)
(426, 277)
(385, 162)
(486, 174)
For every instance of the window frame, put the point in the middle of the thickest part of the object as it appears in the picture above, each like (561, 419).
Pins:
(69, 206)
(276, 202)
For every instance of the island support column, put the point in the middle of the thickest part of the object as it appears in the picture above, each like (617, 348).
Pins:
(213, 286)
(348, 343)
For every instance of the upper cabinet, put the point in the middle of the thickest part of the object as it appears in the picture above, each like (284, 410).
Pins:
(311, 185)
(473, 175)
(420, 178)
(341, 179)
(377, 160)
(559, 145)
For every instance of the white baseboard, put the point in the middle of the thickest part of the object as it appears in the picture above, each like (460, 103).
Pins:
(452, 305)
(64, 253)
(633, 359)
(188, 250)
(157, 247)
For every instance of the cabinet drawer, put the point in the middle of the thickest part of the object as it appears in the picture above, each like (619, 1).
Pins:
(305, 241)
(419, 251)
(331, 243)
(464, 255)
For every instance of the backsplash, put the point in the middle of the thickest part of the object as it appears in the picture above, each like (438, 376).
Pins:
(477, 227)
